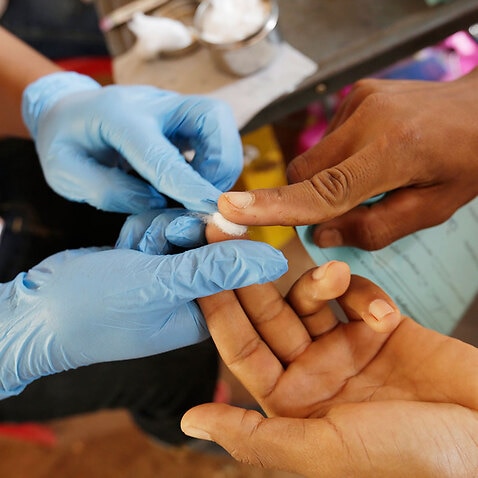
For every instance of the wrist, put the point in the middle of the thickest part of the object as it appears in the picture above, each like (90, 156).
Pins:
(26, 338)
(43, 93)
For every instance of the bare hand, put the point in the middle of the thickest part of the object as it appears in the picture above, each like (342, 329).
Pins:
(377, 396)
(415, 140)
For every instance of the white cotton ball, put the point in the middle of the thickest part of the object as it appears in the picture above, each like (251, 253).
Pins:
(226, 226)
(232, 20)
(157, 34)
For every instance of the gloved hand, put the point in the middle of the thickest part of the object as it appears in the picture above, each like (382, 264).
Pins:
(162, 231)
(93, 305)
(88, 136)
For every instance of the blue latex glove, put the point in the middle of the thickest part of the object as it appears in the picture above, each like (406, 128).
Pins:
(160, 231)
(88, 136)
(90, 305)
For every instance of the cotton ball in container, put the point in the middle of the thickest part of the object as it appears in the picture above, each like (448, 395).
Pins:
(155, 34)
(233, 20)
(242, 36)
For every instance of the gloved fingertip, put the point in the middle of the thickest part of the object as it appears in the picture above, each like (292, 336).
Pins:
(134, 228)
(271, 261)
(186, 231)
(275, 267)
(154, 244)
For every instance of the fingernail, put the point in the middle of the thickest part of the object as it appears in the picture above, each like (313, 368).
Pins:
(319, 272)
(380, 309)
(240, 200)
(329, 238)
(196, 433)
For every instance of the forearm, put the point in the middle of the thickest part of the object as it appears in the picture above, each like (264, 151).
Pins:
(19, 66)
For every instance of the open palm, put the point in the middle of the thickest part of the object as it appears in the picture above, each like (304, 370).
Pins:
(374, 395)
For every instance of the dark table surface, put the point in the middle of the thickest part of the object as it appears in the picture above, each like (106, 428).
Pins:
(350, 39)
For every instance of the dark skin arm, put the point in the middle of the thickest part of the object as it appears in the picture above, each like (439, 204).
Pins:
(416, 140)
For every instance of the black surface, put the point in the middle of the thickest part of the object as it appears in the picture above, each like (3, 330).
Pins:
(351, 39)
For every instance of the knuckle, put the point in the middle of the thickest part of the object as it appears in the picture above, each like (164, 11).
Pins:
(248, 350)
(372, 233)
(269, 310)
(114, 95)
(363, 88)
(376, 101)
(212, 105)
(300, 168)
(333, 185)
(383, 105)
(372, 239)
(248, 454)
(295, 170)
(212, 116)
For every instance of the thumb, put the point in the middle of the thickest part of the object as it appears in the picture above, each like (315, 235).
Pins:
(327, 194)
(308, 202)
(304, 446)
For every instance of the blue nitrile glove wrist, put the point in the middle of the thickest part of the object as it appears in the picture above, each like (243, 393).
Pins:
(41, 95)
(89, 138)
(93, 305)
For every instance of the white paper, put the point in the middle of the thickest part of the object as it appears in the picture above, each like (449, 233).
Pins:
(197, 74)
(432, 275)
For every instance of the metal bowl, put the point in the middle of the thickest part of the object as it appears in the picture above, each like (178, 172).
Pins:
(249, 54)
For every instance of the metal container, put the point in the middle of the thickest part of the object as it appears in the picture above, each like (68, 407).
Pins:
(249, 54)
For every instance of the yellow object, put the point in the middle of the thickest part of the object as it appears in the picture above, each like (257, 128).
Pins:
(264, 168)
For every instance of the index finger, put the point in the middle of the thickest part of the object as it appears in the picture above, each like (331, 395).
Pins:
(158, 161)
(240, 346)
(269, 314)
(326, 195)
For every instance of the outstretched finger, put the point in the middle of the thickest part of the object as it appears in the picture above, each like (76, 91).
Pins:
(280, 442)
(241, 348)
(366, 301)
(271, 316)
